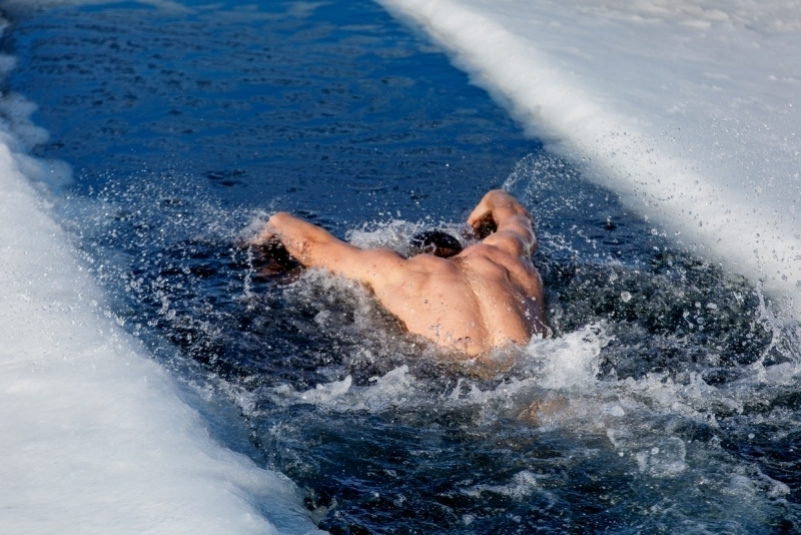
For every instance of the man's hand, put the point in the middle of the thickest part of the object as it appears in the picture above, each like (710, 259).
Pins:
(270, 253)
(487, 210)
(499, 212)
(481, 214)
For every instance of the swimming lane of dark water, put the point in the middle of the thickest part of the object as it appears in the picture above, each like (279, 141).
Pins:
(184, 126)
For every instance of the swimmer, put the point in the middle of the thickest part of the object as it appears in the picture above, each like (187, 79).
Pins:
(470, 300)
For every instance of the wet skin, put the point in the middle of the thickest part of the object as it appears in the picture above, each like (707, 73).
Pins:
(487, 296)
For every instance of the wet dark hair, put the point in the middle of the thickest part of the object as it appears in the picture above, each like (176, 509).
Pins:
(436, 242)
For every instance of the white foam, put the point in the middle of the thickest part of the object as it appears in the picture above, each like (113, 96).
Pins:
(688, 109)
(397, 234)
(569, 361)
(393, 389)
(568, 364)
(394, 234)
(522, 486)
(94, 437)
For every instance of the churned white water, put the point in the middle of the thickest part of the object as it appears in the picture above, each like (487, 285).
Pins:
(688, 109)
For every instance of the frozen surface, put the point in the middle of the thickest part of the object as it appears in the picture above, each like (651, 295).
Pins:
(94, 437)
(688, 109)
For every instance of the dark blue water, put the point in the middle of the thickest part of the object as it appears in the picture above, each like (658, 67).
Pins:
(184, 128)
(335, 109)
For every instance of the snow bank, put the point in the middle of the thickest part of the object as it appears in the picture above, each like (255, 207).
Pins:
(93, 436)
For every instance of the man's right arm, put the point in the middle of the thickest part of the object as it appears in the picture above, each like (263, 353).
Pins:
(515, 231)
(315, 247)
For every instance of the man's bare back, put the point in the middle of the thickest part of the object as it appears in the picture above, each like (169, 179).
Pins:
(489, 295)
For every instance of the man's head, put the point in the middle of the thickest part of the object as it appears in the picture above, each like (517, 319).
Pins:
(435, 242)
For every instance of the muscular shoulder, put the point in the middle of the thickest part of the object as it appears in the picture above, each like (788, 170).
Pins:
(489, 252)
(493, 261)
